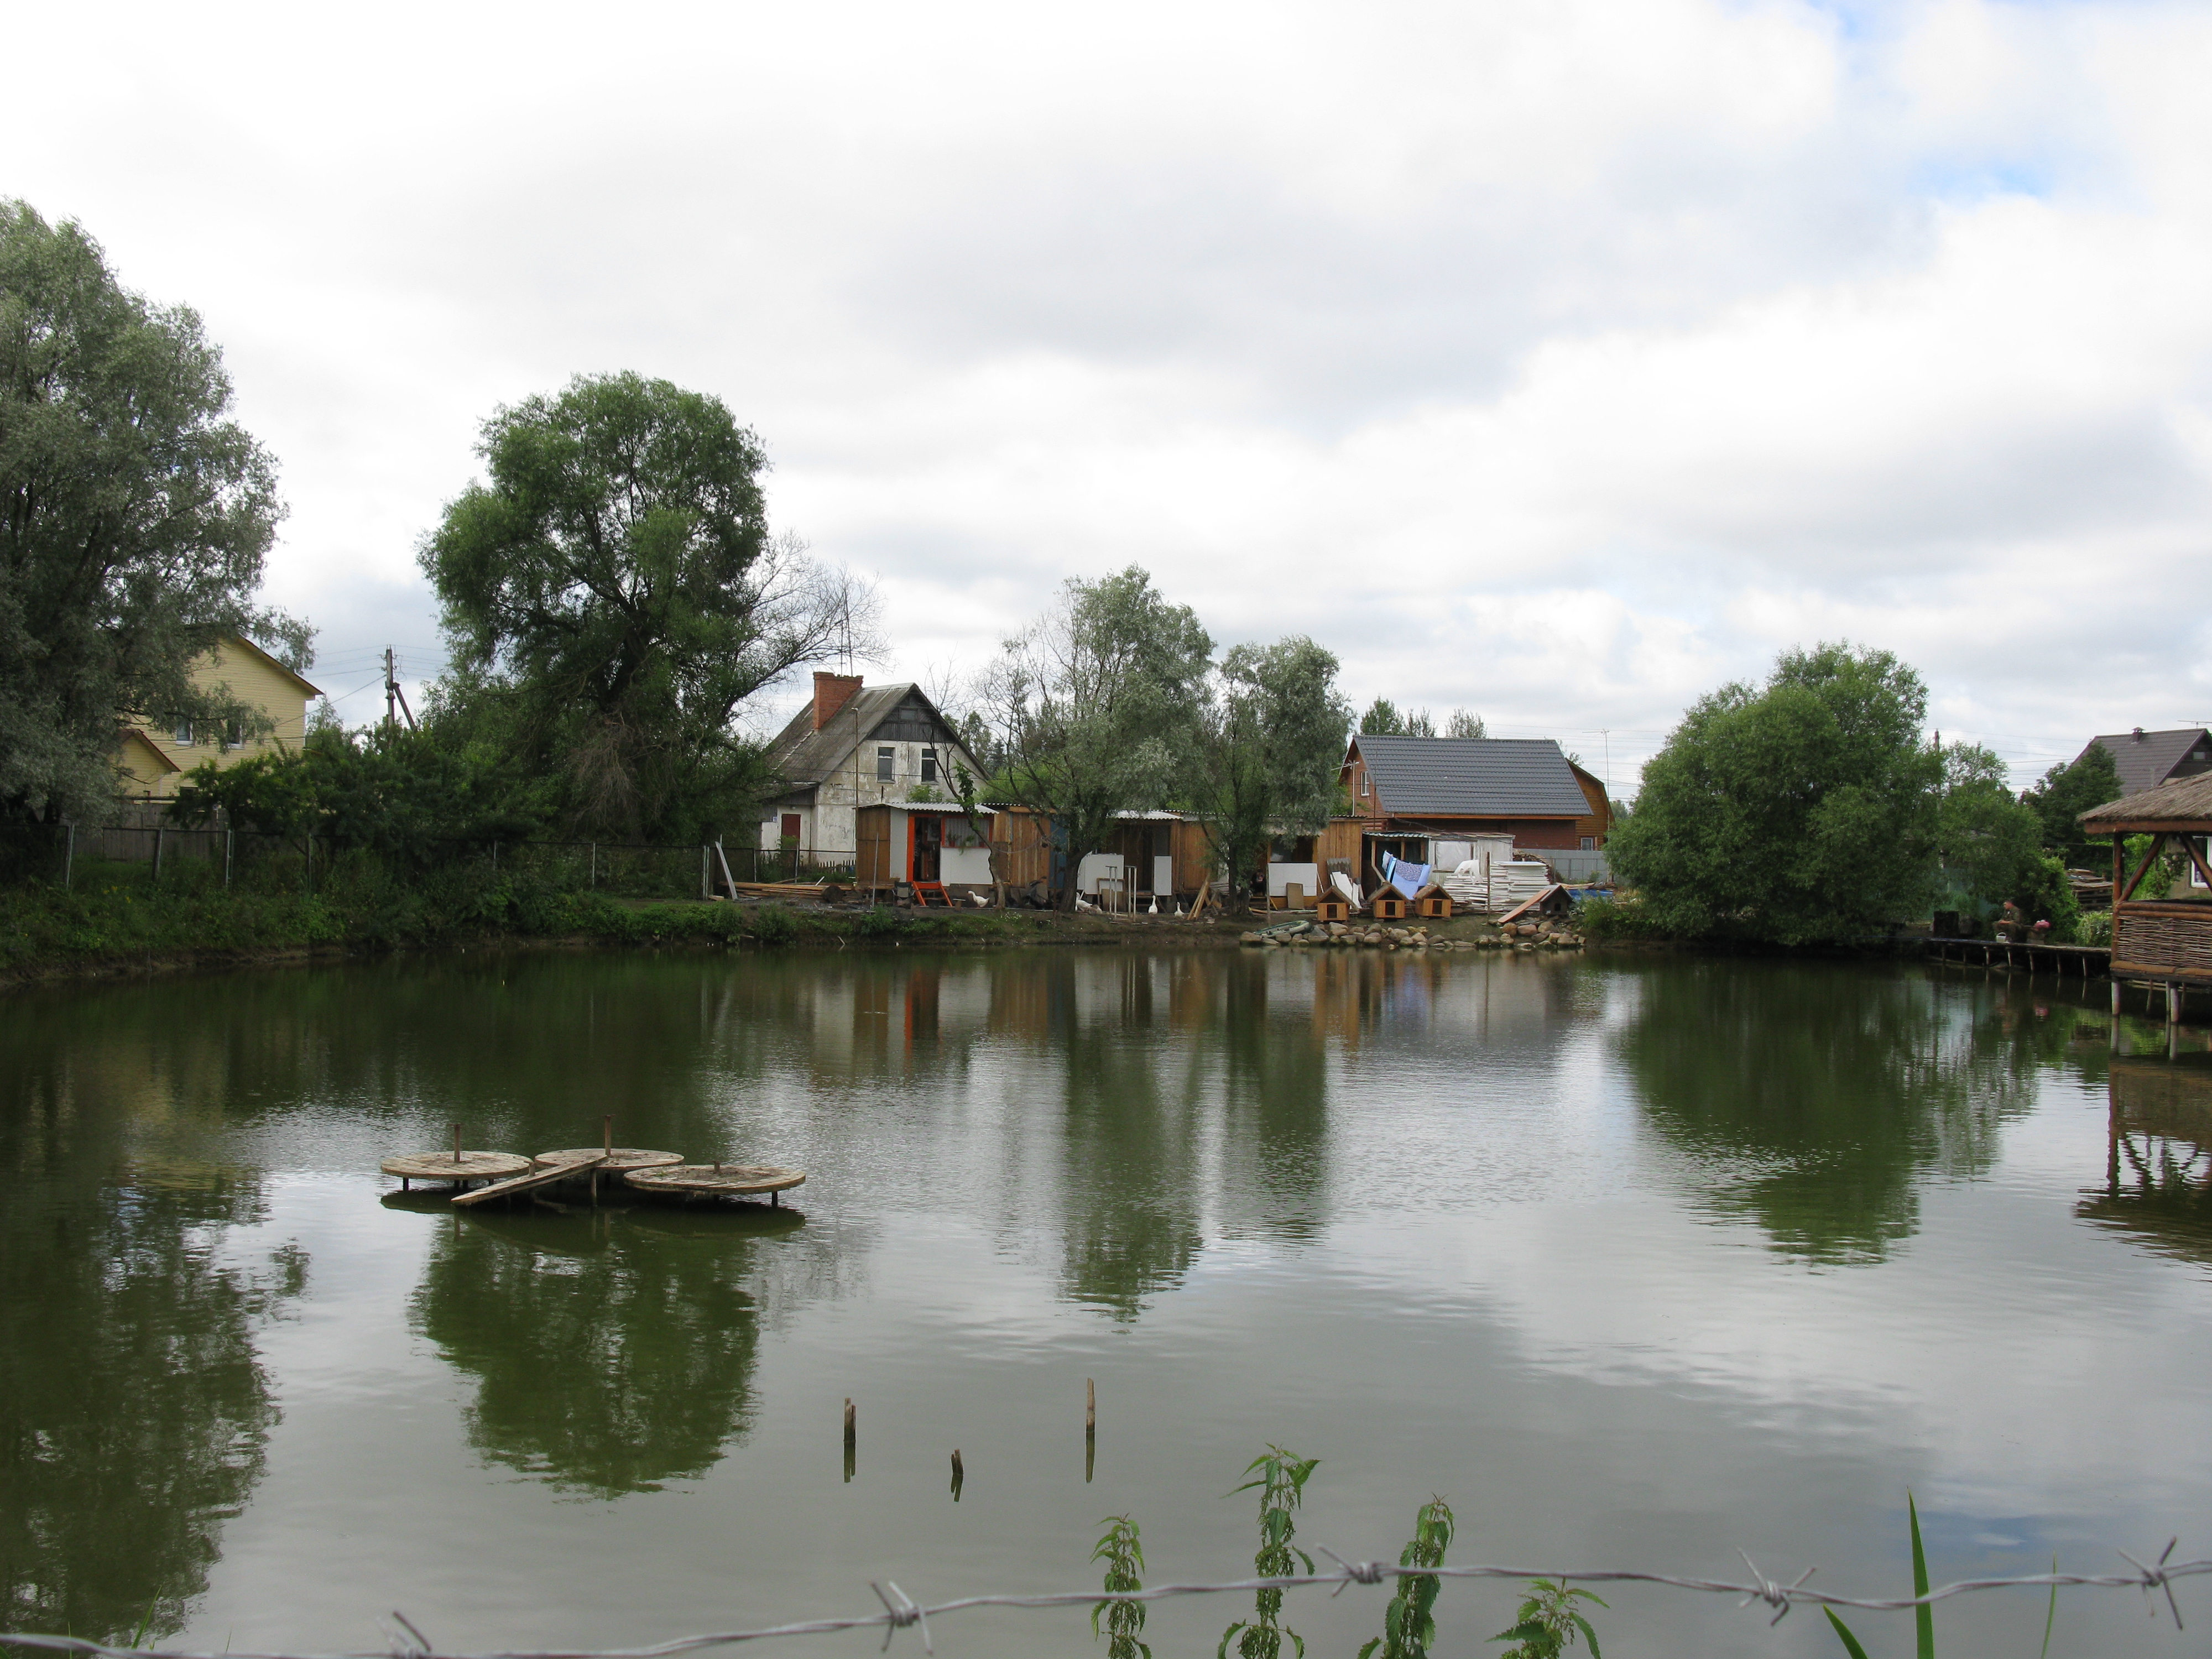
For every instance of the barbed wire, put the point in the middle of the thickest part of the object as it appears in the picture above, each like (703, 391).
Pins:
(901, 1611)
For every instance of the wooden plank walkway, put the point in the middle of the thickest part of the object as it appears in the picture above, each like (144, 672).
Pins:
(2085, 960)
(543, 1176)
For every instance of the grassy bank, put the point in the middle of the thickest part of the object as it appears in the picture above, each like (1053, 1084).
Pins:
(115, 918)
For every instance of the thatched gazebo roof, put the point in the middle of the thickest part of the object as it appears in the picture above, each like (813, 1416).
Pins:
(2182, 807)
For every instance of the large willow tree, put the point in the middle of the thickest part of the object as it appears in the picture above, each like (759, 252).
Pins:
(134, 518)
(612, 594)
(1804, 810)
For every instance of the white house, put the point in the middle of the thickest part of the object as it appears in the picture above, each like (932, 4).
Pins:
(856, 745)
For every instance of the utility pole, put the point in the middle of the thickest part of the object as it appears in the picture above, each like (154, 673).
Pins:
(393, 694)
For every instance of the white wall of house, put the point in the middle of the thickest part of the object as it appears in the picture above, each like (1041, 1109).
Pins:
(829, 832)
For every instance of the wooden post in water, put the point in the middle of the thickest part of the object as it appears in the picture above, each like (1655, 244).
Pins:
(959, 1474)
(1089, 1428)
(457, 1146)
(852, 1438)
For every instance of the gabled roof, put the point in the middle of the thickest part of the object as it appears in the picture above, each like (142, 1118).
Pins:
(2186, 805)
(307, 687)
(1471, 777)
(801, 755)
(163, 761)
(2146, 759)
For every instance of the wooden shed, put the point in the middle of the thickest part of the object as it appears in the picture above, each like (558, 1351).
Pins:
(2166, 940)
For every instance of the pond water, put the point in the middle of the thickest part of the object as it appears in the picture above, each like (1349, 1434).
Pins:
(1633, 1261)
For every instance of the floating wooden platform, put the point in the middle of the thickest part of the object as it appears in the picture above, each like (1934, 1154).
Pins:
(444, 1166)
(544, 1174)
(623, 1158)
(720, 1179)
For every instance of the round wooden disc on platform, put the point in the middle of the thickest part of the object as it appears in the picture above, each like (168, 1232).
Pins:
(443, 1166)
(623, 1157)
(731, 1180)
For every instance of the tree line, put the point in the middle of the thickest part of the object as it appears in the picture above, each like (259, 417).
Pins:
(615, 602)
(1812, 809)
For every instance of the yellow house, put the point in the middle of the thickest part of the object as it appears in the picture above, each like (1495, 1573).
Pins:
(153, 758)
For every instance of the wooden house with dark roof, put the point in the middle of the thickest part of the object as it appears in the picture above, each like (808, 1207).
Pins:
(856, 746)
(2164, 940)
(1423, 798)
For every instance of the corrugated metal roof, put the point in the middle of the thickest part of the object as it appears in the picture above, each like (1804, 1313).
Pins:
(2145, 761)
(1473, 777)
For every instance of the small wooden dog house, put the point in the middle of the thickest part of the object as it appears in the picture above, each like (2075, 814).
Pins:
(1433, 903)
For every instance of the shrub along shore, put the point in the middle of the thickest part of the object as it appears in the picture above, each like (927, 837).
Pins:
(116, 920)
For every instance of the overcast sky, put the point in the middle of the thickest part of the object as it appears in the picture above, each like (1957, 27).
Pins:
(1557, 360)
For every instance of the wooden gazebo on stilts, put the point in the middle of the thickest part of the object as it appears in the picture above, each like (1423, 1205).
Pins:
(2160, 941)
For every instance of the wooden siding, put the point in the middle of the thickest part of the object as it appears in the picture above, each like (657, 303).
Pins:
(2162, 941)
(1193, 858)
(255, 678)
(872, 859)
(1340, 839)
(1599, 824)
(1021, 839)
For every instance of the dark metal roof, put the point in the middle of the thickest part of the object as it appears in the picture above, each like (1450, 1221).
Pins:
(1473, 777)
(2146, 759)
(800, 755)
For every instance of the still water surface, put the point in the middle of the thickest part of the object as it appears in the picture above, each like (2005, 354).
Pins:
(1632, 1261)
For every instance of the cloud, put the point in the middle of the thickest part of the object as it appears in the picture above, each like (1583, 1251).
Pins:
(1556, 363)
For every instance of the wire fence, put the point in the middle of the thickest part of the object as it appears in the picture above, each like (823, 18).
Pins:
(902, 1612)
(151, 851)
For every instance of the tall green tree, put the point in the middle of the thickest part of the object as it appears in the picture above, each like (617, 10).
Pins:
(1097, 705)
(134, 519)
(1384, 719)
(1990, 841)
(2067, 791)
(1271, 746)
(613, 595)
(1804, 810)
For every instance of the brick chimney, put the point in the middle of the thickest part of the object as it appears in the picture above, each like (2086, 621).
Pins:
(831, 693)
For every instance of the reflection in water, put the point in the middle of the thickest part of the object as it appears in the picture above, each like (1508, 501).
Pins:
(134, 1407)
(1100, 1117)
(1815, 1107)
(1132, 1143)
(612, 1349)
(134, 1410)
(2158, 1181)
(1155, 1054)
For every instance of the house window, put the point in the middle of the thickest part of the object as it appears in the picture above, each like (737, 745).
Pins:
(929, 765)
(183, 729)
(2204, 852)
(1364, 789)
(1589, 843)
(885, 760)
(233, 737)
